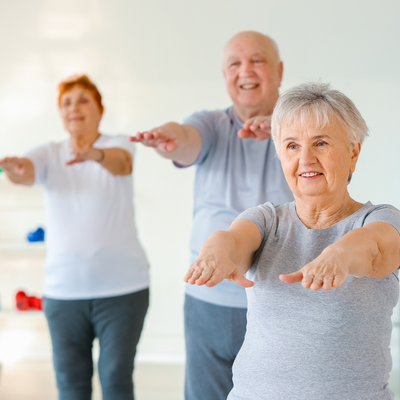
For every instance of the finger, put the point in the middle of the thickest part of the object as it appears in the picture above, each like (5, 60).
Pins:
(195, 275)
(317, 283)
(266, 127)
(262, 135)
(292, 278)
(188, 274)
(327, 282)
(216, 278)
(204, 277)
(338, 281)
(148, 136)
(243, 281)
(168, 146)
(254, 128)
(307, 280)
(245, 134)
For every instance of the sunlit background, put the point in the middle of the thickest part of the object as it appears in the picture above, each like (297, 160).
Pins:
(155, 61)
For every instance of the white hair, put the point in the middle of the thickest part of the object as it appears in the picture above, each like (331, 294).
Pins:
(317, 99)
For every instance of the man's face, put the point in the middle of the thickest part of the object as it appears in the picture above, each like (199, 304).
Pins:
(252, 73)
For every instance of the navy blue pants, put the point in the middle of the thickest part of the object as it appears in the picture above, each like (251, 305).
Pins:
(117, 322)
(214, 336)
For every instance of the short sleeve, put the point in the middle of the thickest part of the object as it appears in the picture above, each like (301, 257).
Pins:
(263, 217)
(40, 159)
(203, 121)
(384, 213)
(119, 141)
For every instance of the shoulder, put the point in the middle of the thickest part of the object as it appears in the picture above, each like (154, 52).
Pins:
(262, 215)
(369, 209)
(378, 213)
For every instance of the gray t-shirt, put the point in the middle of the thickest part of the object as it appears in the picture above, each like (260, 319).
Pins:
(306, 345)
(232, 175)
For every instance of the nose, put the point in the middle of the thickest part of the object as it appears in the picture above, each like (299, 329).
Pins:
(307, 157)
(246, 69)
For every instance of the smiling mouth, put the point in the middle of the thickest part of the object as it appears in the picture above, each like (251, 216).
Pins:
(310, 174)
(249, 86)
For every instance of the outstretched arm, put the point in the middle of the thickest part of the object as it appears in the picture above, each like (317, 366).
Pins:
(181, 143)
(372, 251)
(226, 255)
(116, 160)
(18, 170)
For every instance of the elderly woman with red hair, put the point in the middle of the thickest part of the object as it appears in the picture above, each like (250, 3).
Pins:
(96, 272)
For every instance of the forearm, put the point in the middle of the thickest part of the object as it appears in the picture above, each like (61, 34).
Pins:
(223, 244)
(358, 248)
(115, 160)
(188, 144)
(371, 251)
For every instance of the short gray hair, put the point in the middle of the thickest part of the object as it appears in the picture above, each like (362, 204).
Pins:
(319, 100)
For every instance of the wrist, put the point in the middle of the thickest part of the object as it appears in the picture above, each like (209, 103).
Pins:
(100, 155)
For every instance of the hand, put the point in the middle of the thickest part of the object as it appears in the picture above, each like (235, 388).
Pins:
(85, 155)
(13, 165)
(161, 138)
(328, 270)
(211, 270)
(258, 128)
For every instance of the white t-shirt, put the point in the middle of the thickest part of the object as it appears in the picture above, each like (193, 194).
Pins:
(91, 240)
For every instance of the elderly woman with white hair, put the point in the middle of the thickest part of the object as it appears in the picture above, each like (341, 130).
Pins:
(312, 344)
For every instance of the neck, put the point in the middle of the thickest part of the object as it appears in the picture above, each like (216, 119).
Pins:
(83, 140)
(320, 213)
(259, 110)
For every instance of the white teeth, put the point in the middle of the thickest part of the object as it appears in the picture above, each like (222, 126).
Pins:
(248, 86)
(309, 174)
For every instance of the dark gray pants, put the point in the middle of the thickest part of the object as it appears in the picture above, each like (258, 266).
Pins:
(213, 335)
(117, 322)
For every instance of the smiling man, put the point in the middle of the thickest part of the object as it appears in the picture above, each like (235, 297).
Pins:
(236, 168)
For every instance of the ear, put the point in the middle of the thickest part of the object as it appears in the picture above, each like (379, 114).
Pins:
(355, 152)
(280, 72)
(223, 73)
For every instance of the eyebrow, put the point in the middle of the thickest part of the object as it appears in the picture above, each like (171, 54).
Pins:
(314, 137)
(232, 58)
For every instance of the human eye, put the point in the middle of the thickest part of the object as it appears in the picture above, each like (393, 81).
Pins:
(292, 146)
(258, 61)
(83, 100)
(321, 143)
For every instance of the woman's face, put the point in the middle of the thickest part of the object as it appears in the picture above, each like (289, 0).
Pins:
(79, 111)
(317, 162)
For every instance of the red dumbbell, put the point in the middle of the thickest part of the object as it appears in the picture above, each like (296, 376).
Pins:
(25, 302)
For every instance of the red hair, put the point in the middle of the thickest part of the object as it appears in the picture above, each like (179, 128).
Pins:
(83, 81)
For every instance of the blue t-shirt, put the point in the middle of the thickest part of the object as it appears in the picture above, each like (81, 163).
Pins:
(232, 175)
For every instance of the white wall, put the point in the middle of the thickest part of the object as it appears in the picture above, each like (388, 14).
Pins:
(156, 61)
